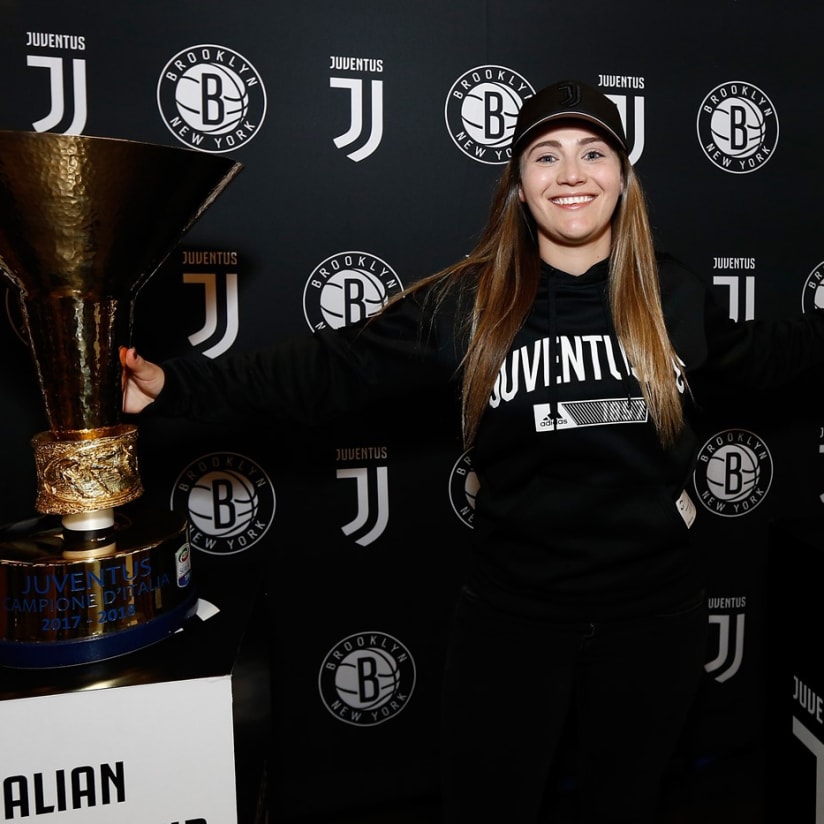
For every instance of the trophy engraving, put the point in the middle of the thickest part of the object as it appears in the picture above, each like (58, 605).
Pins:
(84, 223)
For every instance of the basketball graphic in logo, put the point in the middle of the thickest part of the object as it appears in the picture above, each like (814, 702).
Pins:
(739, 126)
(212, 99)
(346, 288)
(366, 680)
(736, 462)
(210, 496)
(494, 99)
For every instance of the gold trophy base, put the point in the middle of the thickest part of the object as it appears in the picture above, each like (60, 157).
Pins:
(57, 611)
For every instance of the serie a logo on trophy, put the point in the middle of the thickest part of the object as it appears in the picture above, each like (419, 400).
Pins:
(84, 223)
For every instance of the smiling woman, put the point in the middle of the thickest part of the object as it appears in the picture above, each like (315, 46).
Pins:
(584, 598)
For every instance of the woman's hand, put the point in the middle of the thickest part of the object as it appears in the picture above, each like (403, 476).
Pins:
(142, 380)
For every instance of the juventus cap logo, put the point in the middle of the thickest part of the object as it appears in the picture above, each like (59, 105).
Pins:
(567, 100)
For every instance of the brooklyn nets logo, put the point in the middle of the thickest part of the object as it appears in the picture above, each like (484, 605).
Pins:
(463, 487)
(813, 295)
(737, 127)
(211, 98)
(346, 288)
(481, 110)
(734, 473)
(230, 502)
(367, 679)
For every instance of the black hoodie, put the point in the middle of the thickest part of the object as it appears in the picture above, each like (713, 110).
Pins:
(580, 514)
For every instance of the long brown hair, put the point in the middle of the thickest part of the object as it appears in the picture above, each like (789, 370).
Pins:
(503, 270)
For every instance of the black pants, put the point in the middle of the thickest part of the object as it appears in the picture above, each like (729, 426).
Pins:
(511, 683)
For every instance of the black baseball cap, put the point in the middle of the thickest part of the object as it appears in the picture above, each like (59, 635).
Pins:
(567, 99)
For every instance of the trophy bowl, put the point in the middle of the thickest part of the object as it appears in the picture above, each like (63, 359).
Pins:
(84, 223)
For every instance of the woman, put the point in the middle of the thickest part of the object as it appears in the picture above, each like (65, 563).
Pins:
(572, 346)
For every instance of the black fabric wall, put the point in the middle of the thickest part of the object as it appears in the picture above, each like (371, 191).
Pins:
(371, 135)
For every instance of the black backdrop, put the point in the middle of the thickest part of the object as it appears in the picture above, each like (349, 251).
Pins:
(359, 526)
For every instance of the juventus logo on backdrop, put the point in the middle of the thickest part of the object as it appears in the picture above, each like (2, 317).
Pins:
(356, 129)
(372, 491)
(741, 289)
(365, 104)
(210, 323)
(57, 92)
(209, 270)
(635, 126)
(730, 646)
(810, 706)
(816, 747)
